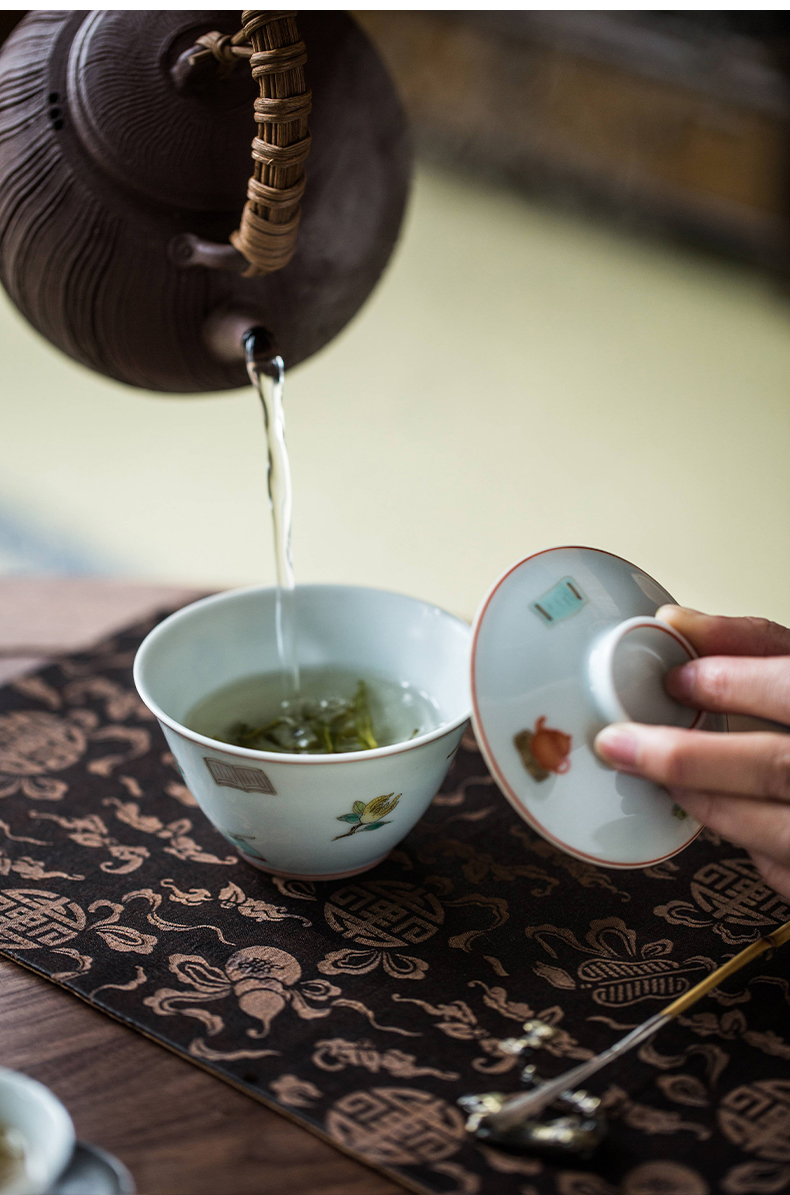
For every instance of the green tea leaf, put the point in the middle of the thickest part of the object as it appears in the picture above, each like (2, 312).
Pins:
(330, 726)
(349, 817)
(358, 807)
(363, 720)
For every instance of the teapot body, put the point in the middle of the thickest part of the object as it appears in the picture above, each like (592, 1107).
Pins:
(107, 167)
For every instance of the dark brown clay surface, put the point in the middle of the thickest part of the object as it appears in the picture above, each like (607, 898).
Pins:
(104, 162)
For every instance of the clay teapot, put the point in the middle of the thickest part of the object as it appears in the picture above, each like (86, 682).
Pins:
(125, 164)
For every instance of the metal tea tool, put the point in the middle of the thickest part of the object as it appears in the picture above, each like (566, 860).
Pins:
(515, 1121)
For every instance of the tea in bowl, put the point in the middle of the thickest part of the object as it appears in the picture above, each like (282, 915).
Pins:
(310, 797)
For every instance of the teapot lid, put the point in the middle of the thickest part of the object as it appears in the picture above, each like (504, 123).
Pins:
(566, 642)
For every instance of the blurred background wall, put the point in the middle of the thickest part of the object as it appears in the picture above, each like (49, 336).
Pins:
(584, 337)
(674, 122)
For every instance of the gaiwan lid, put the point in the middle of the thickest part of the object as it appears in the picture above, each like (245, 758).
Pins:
(565, 643)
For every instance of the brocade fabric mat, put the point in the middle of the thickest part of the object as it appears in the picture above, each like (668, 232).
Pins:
(363, 1008)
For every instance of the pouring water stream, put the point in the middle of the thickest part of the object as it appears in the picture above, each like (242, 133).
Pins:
(267, 372)
(319, 710)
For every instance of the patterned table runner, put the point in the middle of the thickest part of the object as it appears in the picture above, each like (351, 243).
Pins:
(364, 1008)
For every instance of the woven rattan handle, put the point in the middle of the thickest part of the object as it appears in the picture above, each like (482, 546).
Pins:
(266, 237)
(270, 220)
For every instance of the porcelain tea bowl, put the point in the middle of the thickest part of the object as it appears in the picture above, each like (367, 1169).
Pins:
(45, 1128)
(309, 816)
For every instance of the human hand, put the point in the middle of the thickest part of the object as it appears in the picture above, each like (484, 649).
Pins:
(738, 784)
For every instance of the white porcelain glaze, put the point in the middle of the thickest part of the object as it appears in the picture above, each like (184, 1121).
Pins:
(626, 668)
(44, 1124)
(282, 812)
(565, 642)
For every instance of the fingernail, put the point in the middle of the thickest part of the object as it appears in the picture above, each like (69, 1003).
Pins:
(664, 612)
(617, 745)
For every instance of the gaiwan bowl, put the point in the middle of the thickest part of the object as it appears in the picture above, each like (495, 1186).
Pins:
(309, 816)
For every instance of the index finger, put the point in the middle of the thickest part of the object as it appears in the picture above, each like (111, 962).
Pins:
(716, 635)
(735, 685)
(748, 765)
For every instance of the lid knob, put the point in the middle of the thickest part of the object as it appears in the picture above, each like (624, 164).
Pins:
(626, 668)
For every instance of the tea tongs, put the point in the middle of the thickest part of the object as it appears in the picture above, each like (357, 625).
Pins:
(513, 1120)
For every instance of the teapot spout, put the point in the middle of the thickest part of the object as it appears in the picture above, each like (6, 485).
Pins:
(260, 353)
(228, 330)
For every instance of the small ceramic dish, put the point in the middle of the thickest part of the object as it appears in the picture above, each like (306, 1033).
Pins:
(54, 1162)
(565, 643)
(45, 1131)
(92, 1171)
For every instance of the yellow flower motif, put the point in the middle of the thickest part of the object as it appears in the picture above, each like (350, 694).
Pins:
(368, 817)
(379, 807)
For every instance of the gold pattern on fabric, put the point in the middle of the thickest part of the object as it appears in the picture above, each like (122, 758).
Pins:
(396, 1125)
(366, 1007)
(756, 1117)
(731, 898)
(619, 972)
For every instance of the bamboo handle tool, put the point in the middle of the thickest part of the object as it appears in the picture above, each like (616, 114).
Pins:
(494, 1117)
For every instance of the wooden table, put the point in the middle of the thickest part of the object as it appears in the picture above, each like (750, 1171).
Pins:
(179, 1130)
